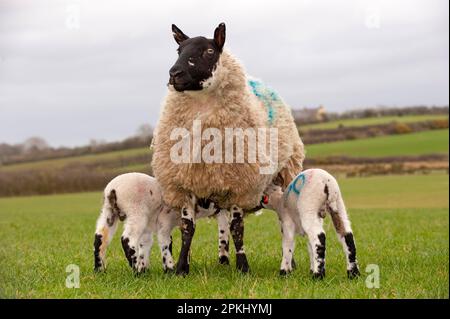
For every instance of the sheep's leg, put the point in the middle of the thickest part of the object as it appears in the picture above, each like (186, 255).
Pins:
(313, 227)
(145, 245)
(223, 221)
(293, 263)
(318, 245)
(104, 232)
(341, 223)
(237, 232)
(288, 242)
(165, 246)
(133, 231)
(167, 220)
(348, 243)
(187, 233)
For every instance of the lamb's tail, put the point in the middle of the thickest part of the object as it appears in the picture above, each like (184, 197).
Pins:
(341, 222)
(106, 227)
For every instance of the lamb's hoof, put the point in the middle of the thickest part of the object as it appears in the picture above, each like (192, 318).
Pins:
(140, 267)
(169, 270)
(223, 260)
(242, 263)
(182, 270)
(284, 272)
(353, 273)
(318, 275)
(139, 272)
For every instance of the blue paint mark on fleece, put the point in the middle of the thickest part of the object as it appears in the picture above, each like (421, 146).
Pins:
(267, 96)
(293, 185)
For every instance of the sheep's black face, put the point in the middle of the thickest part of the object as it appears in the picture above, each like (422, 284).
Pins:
(197, 59)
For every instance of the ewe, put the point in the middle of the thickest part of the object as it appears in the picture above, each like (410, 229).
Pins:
(210, 92)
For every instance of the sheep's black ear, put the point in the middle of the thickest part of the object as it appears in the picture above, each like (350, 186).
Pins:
(178, 35)
(219, 36)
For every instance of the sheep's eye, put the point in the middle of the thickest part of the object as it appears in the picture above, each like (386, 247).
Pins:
(210, 51)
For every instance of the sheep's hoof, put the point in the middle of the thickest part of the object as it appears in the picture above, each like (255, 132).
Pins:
(318, 275)
(99, 269)
(99, 266)
(223, 260)
(353, 272)
(182, 269)
(284, 272)
(139, 272)
(169, 270)
(242, 263)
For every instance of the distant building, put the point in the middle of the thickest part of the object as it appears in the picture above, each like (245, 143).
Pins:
(309, 115)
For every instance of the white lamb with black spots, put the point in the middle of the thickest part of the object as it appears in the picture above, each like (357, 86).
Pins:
(301, 209)
(136, 199)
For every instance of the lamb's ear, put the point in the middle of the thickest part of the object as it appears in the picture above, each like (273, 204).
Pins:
(178, 35)
(219, 36)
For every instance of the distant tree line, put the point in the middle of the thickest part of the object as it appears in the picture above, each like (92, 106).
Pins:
(36, 149)
(389, 111)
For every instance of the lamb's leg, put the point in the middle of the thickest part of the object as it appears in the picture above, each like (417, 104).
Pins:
(293, 263)
(313, 227)
(166, 222)
(132, 233)
(187, 233)
(341, 223)
(145, 245)
(237, 232)
(223, 221)
(288, 242)
(104, 232)
(165, 245)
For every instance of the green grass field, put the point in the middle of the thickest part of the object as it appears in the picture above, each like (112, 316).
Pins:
(401, 224)
(61, 162)
(422, 143)
(373, 121)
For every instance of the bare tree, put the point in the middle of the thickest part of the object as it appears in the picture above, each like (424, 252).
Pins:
(144, 131)
(96, 144)
(35, 143)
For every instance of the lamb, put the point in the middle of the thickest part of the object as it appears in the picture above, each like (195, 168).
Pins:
(301, 209)
(209, 88)
(136, 199)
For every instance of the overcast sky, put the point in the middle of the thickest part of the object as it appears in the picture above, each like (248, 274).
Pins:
(75, 70)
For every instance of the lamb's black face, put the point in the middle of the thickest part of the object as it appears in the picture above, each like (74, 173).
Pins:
(197, 59)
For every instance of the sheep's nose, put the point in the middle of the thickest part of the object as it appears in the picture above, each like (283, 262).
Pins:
(174, 73)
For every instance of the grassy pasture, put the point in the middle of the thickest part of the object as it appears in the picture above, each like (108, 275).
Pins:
(373, 121)
(401, 224)
(422, 143)
(61, 162)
